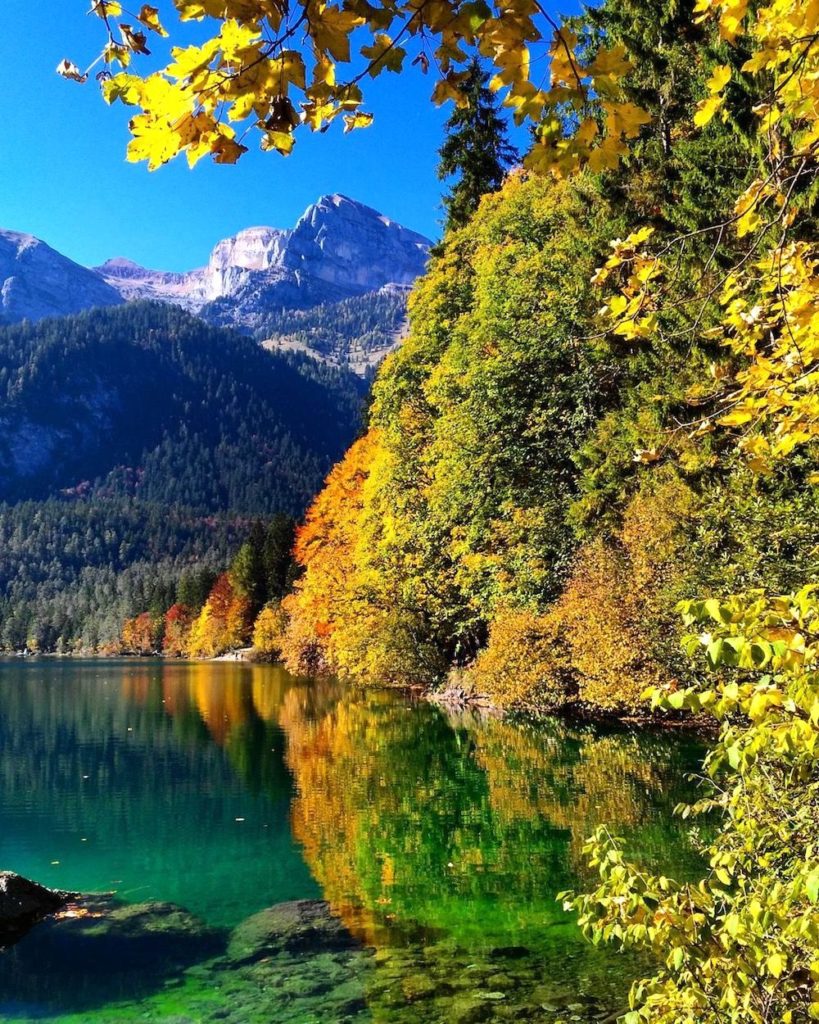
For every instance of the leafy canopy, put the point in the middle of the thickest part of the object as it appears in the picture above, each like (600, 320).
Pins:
(275, 67)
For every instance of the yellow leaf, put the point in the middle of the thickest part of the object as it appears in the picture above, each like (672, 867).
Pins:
(383, 54)
(106, 8)
(149, 17)
(360, 120)
(707, 109)
(720, 77)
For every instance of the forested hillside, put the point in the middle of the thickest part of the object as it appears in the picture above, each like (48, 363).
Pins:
(536, 492)
(137, 442)
(356, 332)
(147, 400)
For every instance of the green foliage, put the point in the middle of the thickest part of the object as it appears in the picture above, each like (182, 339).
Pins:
(740, 945)
(72, 570)
(281, 421)
(476, 150)
(476, 418)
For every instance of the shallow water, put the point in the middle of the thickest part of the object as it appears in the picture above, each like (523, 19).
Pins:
(439, 841)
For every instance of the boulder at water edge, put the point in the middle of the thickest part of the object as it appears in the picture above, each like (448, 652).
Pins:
(23, 904)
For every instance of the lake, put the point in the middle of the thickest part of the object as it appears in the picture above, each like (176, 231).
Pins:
(439, 842)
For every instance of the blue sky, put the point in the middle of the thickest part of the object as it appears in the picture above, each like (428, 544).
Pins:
(63, 175)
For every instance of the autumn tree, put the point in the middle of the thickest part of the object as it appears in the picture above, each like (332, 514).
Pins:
(269, 630)
(476, 150)
(222, 623)
(178, 621)
(142, 634)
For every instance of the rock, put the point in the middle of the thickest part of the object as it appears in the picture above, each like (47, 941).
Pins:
(468, 1011)
(339, 248)
(419, 986)
(300, 926)
(36, 281)
(23, 904)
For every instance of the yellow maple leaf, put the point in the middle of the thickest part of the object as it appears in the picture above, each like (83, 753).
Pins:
(149, 17)
(358, 120)
(383, 54)
(707, 109)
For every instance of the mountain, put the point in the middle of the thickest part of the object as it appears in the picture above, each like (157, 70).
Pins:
(36, 281)
(148, 401)
(137, 446)
(339, 248)
(339, 252)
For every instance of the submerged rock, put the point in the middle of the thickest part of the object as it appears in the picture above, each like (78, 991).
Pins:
(300, 926)
(23, 903)
(94, 950)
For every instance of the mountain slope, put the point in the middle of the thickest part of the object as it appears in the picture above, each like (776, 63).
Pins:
(149, 401)
(339, 252)
(36, 281)
(337, 249)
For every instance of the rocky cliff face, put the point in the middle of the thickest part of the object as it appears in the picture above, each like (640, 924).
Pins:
(338, 248)
(36, 281)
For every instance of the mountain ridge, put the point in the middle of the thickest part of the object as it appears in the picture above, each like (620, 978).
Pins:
(338, 251)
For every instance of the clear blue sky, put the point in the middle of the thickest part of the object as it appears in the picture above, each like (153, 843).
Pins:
(63, 175)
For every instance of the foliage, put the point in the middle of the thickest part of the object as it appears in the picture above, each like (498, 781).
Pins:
(268, 631)
(142, 634)
(178, 622)
(457, 501)
(476, 149)
(741, 945)
(236, 606)
(524, 661)
(265, 58)
(72, 570)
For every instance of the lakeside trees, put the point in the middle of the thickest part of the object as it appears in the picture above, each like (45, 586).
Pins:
(710, 324)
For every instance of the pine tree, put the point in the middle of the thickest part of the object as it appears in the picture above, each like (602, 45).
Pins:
(476, 150)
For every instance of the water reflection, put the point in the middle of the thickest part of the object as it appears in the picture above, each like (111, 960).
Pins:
(439, 840)
(467, 825)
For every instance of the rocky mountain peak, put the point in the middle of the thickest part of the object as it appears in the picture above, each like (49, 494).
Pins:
(36, 281)
(339, 249)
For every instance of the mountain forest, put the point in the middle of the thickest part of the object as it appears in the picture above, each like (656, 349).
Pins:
(583, 481)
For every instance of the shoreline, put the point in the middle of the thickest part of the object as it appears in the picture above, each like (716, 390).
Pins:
(452, 697)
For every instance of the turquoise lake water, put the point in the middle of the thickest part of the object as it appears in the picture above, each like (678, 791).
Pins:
(439, 842)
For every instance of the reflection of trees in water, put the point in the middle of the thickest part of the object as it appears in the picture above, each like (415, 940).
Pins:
(466, 825)
(70, 728)
(235, 707)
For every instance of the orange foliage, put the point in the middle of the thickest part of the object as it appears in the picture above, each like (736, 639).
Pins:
(178, 621)
(142, 634)
(223, 623)
(325, 547)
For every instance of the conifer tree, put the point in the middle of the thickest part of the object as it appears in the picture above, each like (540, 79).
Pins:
(476, 150)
